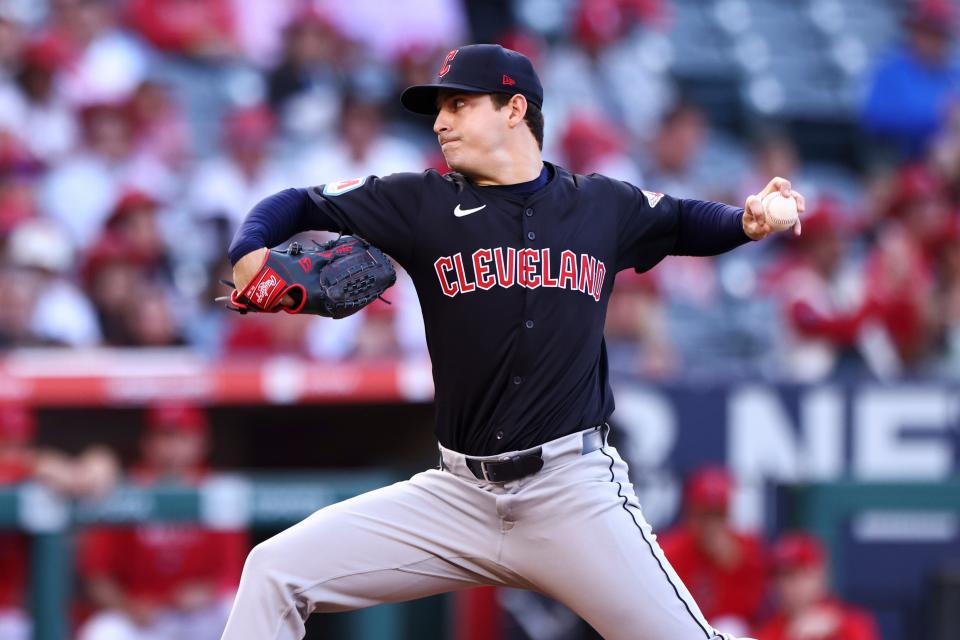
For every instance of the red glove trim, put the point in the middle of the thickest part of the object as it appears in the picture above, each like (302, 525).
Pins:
(264, 289)
(236, 301)
(303, 298)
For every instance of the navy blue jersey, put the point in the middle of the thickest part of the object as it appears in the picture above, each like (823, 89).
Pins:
(513, 287)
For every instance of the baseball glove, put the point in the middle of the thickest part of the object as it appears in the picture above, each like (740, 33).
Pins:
(335, 279)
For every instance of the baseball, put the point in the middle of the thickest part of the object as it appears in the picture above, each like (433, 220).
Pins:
(780, 212)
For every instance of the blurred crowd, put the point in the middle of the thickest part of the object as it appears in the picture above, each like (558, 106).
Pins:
(136, 134)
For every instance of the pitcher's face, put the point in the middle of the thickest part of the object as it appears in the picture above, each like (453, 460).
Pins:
(470, 129)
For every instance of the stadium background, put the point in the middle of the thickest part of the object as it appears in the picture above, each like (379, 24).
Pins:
(821, 371)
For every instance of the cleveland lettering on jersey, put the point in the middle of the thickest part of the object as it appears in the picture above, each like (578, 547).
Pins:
(531, 268)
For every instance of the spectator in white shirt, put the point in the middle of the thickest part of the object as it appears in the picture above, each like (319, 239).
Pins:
(401, 24)
(80, 192)
(227, 186)
(39, 256)
(362, 147)
(32, 109)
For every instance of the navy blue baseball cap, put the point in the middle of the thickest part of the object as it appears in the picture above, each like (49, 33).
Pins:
(477, 68)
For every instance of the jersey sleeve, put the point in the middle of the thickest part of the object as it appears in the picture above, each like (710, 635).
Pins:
(647, 226)
(384, 211)
(653, 225)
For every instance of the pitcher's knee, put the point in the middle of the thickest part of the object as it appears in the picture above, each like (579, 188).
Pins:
(260, 559)
(268, 567)
(268, 576)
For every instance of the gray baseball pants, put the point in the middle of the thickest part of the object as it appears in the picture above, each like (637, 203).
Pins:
(573, 531)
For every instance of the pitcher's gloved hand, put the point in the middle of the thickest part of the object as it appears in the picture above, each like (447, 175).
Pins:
(335, 279)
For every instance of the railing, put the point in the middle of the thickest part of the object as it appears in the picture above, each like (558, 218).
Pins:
(827, 508)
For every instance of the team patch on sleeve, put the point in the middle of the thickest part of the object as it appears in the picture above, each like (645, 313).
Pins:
(337, 188)
(652, 197)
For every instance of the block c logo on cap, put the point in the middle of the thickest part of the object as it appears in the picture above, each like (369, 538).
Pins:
(445, 67)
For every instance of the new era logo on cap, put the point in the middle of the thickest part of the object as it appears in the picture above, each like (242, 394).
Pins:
(478, 68)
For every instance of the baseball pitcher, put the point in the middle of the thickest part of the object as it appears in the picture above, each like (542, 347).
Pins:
(513, 259)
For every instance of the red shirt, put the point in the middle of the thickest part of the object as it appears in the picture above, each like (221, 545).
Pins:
(151, 561)
(182, 25)
(14, 562)
(719, 591)
(853, 624)
(13, 569)
(15, 469)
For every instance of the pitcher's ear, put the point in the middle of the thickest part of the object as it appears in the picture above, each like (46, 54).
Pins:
(518, 109)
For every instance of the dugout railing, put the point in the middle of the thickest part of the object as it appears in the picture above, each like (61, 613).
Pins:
(827, 508)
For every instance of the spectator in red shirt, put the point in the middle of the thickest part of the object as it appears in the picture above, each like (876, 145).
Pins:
(160, 580)
(203, 28)
(133, 221)
(900, 277)
(823, 300)
(115, 277)
(128, 274)
(920, 203)
(808, 611)
(723, 569)
(599, 23)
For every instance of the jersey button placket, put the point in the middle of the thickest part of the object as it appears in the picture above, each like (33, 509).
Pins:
(530, 236)
(526, 222)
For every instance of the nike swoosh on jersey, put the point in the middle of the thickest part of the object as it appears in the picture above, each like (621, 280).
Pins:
(457, 211)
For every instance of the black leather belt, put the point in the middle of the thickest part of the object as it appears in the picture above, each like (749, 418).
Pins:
(507, 469)
(510, 468)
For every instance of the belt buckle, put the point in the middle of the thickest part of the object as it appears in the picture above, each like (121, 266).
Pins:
(483, 470)
(484, 463)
